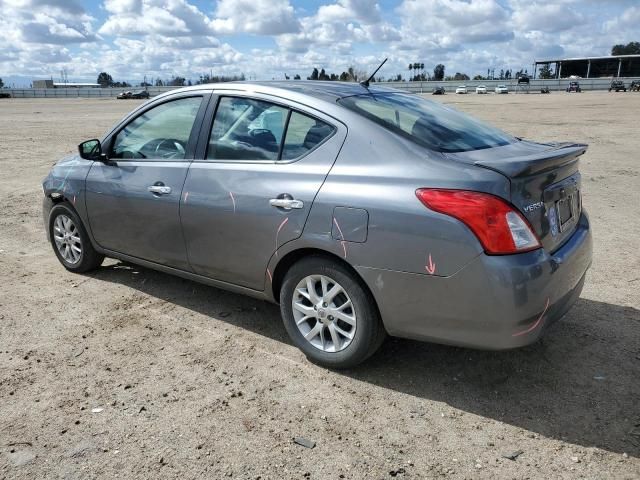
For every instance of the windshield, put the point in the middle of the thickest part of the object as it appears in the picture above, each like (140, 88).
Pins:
(427, 123)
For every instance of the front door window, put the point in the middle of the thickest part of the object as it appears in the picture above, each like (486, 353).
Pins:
(160, 133)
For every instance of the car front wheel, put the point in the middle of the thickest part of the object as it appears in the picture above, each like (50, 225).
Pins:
(70, 241)
(329, 314)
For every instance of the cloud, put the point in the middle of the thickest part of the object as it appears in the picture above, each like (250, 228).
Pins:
(267, 38)
(545, 17)
(145, 17)
(52, 22)
(258, 17)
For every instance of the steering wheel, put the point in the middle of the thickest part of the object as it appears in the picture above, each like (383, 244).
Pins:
(173, 146)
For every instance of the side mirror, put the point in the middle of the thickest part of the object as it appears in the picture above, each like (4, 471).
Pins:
(91, 150)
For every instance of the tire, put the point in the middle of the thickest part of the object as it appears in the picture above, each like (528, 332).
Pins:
(67, 234)
(366, 330)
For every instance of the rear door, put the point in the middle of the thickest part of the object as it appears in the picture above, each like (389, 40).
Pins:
(133, 199)
(264, 162)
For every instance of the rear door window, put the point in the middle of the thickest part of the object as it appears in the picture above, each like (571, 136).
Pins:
(427, 123)
(246, 129)
(304, 133)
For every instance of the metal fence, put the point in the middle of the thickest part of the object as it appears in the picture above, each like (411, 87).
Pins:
(415, 87)
(533, 86)
(77, 92)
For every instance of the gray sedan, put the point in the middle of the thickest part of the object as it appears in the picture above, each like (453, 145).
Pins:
(363, 211)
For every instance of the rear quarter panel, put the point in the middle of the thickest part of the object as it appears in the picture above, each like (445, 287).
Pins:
(379, 172)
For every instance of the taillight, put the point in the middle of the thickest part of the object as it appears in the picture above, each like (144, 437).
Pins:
(500, 228)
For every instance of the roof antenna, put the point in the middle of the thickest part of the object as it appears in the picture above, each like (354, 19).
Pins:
(365, 84)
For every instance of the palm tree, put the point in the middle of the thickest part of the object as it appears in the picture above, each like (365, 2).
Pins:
(410, 68)
(422, 69)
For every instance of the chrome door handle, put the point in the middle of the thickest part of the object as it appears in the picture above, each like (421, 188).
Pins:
(286, 203)
(159, 189)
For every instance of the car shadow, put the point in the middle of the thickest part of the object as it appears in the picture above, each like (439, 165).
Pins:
(580, 383)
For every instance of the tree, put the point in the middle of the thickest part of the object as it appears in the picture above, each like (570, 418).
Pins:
(410, 68)
(545, 72)
(314, 75)
(177, 82)
(105, 80)
(438, 72)
(159, 82)
(323, 75)
(631, 48)
(1, 83)
(461, 76)
(296, 77)
(478, 77)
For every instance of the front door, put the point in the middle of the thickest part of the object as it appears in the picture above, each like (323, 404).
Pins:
(263, 165)
(133, 200)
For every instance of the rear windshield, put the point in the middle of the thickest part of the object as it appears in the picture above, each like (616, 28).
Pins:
(427, 123)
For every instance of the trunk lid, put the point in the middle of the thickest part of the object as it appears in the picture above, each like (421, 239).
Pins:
(545, 184)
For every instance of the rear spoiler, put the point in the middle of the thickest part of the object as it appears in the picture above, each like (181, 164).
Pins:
(560, 155)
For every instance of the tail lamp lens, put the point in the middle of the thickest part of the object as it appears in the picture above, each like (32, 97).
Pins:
(499, 227)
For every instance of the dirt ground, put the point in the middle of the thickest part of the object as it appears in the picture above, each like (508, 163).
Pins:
(131, 373)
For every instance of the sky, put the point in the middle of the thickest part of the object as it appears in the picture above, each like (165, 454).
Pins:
(266, 39)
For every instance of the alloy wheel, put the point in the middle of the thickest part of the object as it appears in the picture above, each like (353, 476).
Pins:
(67, 239)
(324, 313)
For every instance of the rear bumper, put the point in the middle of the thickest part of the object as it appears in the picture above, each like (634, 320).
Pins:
(495, 302)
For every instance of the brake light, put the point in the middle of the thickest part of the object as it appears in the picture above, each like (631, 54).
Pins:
(500, 228)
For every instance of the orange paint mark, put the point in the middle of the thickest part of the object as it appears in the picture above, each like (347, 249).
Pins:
(535, 325)
(342, 241)
(430, 267)
(278, 232)
(233, 200)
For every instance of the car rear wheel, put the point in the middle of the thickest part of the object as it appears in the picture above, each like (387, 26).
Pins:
(70, 241)
(329, 314)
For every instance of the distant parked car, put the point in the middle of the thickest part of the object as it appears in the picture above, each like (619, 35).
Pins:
(5, 95)
(574, 87)
(461, 89)
(137, 94)
(544, 90)
(140, 94)
(481, 89)
(438, 91)
(523, 79)
(635, 86)
(502, 89)
(617, 85)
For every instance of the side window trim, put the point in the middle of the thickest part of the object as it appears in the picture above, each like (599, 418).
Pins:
(190, 150)
(207, 125)
(284, 134)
